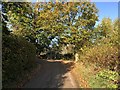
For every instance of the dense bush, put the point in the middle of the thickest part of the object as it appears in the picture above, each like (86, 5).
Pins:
(103, 59)
(18, 57)
(104, 56)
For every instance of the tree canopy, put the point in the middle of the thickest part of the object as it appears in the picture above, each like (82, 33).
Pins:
(41, 23)
(69, 22)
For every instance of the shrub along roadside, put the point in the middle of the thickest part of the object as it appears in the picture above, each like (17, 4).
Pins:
(89, 77)
(18, 57)
(100, 64)
(103, 56)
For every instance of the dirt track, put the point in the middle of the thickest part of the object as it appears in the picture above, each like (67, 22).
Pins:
(53, 74)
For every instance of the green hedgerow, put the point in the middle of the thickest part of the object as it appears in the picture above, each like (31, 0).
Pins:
(18, 56)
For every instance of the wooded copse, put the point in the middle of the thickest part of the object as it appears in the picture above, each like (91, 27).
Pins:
(49, 26)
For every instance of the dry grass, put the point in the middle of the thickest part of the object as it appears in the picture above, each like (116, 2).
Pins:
(78, 74)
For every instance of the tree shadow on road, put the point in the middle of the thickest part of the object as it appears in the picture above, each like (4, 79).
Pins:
(58, 73)
(67, 67)
(52, 74)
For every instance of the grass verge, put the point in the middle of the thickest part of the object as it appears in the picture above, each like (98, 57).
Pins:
(90, 76)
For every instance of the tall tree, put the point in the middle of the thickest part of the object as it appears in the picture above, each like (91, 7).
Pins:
(20, 16)
(115, 33)
(105, 27)
(70, 22)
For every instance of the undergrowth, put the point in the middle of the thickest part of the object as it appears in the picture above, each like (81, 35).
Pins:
(100, 66)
